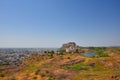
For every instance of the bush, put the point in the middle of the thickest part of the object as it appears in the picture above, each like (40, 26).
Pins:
(42, 75)
(51, 56)
(60, 53)
(47, 71)
(2, 75)
(68, 58)
(35, 77)
(50, 77)
(45, 51)
(52, 52)
(36, 72)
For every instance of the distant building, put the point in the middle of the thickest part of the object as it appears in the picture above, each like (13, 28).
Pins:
(70, 47)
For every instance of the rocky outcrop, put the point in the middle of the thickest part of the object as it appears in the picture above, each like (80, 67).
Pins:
(72, 62)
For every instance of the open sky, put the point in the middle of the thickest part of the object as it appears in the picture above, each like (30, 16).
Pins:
(50, 23)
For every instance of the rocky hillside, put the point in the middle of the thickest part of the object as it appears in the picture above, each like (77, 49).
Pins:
(65, 66)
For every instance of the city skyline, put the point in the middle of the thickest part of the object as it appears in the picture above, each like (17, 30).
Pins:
(50, 23)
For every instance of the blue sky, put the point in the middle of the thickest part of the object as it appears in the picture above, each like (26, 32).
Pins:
(50, 23)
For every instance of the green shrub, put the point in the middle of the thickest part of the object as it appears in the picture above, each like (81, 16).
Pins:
(42, 75)
(50, 77)
(51, 56)
(36, 72)
(45, 51)
(60, 53)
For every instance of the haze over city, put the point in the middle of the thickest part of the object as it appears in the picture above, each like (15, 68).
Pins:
(50, 23)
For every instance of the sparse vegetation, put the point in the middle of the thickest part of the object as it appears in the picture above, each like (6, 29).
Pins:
(100, 52)
(72, 66)
(13, 79)
(32, 67)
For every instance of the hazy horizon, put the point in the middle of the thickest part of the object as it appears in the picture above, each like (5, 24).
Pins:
(50, 23)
